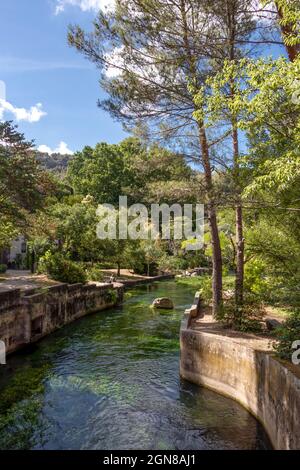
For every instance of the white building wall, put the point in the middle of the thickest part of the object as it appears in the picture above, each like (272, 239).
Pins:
(18, 247)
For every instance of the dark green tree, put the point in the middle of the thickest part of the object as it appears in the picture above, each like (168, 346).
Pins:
(23, 184)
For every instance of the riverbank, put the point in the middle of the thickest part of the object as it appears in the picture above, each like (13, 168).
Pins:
(31, 313)
(24, 280)
(243, 367)
(27, 316)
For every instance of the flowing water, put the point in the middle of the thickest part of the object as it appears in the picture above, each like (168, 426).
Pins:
(111, 381)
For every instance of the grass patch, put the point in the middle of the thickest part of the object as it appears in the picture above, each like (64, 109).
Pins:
(278, 311)
(199, 281)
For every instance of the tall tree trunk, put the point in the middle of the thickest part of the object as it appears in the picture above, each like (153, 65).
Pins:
(239, 229)
(239, 279)
(239, 236)
(217, 281)
(33, 262)
(119, 270)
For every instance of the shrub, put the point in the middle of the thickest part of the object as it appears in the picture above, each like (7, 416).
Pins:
(3, 268)
(206, 289)
(61, 269)
(20, 261)
(255, 280)
(110, 296)
(94, 273)
(245, 318)
(287, 334)
(172, 264)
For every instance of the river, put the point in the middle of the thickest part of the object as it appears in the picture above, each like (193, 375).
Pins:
(111, 381)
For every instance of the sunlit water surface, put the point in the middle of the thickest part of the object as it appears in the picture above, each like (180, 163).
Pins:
(111, 381)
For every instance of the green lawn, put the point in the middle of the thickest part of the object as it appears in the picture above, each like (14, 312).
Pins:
(197, 282)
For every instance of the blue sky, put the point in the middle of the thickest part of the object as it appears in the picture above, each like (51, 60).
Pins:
(51, 90)
(41, 71)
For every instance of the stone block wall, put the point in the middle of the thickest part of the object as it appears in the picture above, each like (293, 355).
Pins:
(27, 318)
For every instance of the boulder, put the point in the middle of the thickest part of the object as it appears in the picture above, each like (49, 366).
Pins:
(163, 302)
(272, 324)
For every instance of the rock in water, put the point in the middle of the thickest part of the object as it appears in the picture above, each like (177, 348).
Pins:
(163, 302)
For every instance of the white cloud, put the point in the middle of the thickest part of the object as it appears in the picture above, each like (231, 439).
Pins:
(84, 5)
(21, 64)
(2, 90)
(62, 148)
(263, 13)
(115, 61)
(33, 114)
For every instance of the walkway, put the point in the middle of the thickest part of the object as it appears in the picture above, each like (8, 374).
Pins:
(24, 280)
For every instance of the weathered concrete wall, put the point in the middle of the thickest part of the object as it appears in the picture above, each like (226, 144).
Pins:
(27, 318)
(238, 368)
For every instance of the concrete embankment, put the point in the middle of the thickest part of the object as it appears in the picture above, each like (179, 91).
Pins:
(25, 317)
(28, 315)
(243, 367)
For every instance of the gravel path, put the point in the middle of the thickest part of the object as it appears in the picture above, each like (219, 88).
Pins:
(24, 280)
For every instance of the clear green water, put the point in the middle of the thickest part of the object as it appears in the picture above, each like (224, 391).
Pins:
(111, 381)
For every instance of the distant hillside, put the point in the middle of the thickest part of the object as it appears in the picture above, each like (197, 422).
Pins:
(55, 162)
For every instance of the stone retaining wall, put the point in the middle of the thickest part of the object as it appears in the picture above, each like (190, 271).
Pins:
(240, 368)
(25, 318)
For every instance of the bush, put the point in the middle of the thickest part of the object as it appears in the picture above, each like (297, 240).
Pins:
(172, 264)
(94, 273)
(255, 277)
(3, 268)
(61, 269)
(245, 318)
(110, 296)
(206, 289)
(287, 334)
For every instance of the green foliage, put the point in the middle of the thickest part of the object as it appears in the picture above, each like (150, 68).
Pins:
(273, 249)
(37, 247)
(245, 318)
(111, 296)
(287, 334)
(3, 268)
(8, 228)
(61, 269)
(20, 261)
(152, 252)
(173, 264)
(289, 20)
(23, 185)
(206, 289)
(76, 230)
(128, 168)
(98, 172)
(255, 277)
(94, 273)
